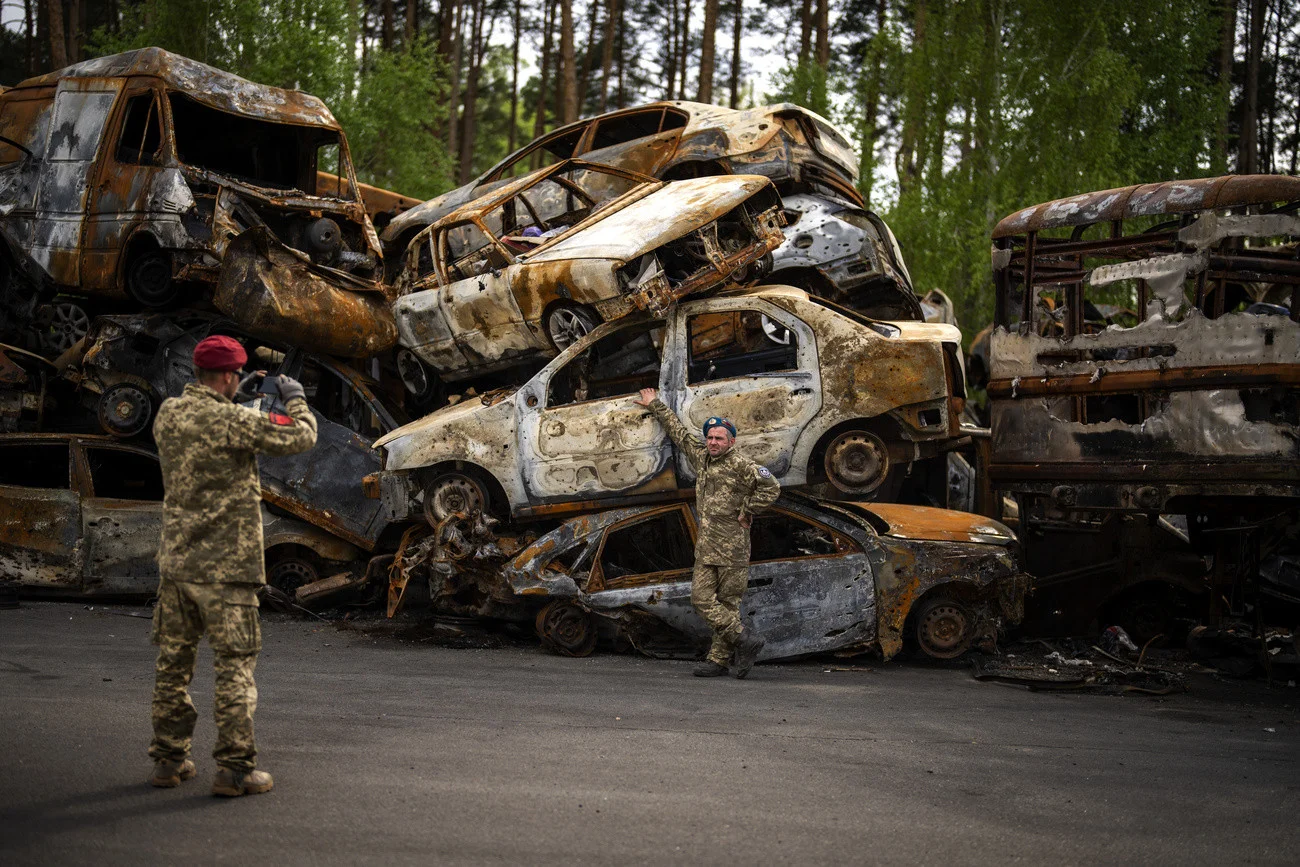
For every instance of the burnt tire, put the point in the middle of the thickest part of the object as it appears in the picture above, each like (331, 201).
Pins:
(944, 627)
(124, 410)
(857, 462)
(149, 280)
(566, 629)
(453, 494)
(566, 324)
(289, 572)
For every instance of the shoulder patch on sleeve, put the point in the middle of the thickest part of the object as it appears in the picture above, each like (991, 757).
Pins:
(765, 472)
(280, 418)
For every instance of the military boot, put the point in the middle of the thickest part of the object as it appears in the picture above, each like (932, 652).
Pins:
(709, 668)
(232, 784)
(747, 650)
(167, 774)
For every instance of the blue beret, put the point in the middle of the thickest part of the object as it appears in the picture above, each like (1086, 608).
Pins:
(719, 422)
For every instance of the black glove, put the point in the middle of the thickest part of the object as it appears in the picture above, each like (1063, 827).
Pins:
(290, 388)
(248, 387)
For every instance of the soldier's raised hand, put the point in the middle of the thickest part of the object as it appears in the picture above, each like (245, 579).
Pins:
(290, 388)
(648, 396)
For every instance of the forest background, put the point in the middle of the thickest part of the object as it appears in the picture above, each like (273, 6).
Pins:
(962, 111)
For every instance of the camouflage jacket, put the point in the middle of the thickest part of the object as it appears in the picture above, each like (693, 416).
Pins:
(726, 487)
(212, 494)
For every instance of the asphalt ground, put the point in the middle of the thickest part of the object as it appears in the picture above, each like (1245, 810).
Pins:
(395, 751)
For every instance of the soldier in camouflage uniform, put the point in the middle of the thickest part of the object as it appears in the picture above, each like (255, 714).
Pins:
(210, 559)
(729, 490)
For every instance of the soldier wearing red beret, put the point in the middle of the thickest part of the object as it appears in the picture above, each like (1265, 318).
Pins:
(210, 559)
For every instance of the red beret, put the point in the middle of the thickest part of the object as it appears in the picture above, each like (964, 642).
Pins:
(219, 352)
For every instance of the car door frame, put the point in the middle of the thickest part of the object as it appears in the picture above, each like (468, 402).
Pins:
(57, 512)
(768, 448)
(132, 526)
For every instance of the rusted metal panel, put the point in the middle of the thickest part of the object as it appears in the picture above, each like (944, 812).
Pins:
(40, 537)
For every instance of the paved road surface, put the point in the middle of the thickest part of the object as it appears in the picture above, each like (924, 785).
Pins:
(399, 752)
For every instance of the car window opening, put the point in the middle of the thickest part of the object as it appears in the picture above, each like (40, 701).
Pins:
(123, 475)
(621, 363)
(738, 343)
(782, 536)
(635, 125)
(141, 137)
(655, 545)
(335, 399)
(43, 465)
(274, 155)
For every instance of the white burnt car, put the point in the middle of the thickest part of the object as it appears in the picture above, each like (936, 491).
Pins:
(522, 272)
(821, 396)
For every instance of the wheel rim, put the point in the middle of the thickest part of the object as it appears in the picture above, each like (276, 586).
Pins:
(68, 323)
(412, 372)
(567, 326)
(124, 410)
(452, 495)
(151, 280)
(943, 629)
(566, 629)
(857, 462)
(289, 575)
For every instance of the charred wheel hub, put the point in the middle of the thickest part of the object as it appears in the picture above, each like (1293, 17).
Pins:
(324, 238)
(943, 628)
(566, 325)
(124, 410)
(453, 494)
(566, 629)
(414, 376)
(149, 279)
(857, 462)
(69, 322)
(291, 573)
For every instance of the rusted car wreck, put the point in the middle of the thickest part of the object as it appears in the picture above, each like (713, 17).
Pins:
(140, 178)
(1145, 393)
(825, 577)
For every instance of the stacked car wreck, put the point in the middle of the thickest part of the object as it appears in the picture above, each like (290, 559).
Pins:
(725, 258)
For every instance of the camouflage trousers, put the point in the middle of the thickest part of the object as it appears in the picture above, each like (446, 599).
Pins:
(227, 615)
(716, 592)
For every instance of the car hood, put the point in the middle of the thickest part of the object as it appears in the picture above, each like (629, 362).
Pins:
(673, 210)
(403, 442)
(922, 523)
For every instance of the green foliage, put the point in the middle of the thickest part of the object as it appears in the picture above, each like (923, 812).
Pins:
(395, 121)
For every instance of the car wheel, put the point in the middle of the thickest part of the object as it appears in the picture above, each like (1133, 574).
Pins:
(68, 323)
(149, 280)
(567, 324)
(124, 410)
(453, 494)
(418, 380)
(943, 628)
(290, 572)
(566, 629)
(857, 462)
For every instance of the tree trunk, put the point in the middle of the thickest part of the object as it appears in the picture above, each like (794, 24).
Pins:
(670, 64)
(468, 116)
(612, 12)
(704, 93)
(568, 70)
(874, 70)
(29, 42)
(905, 159)
(1271, 147)
(73, 31)
(736, 25)
(514, 79)
(453, 77)
(58, 42)
(386, 11)
(805, 31)
(543, 79)
(588, 57)
(685, 55)
(412, 20)
(1248, 147)
(822, 26)
(1227, 45)
(622, 33)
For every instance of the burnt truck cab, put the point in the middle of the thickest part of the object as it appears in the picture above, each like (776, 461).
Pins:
(1146, 363)
(133, 178)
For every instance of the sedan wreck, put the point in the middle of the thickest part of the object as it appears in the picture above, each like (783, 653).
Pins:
(525, 271)
(824, 577)
(141, 176)
(820, 396)
(833, 247)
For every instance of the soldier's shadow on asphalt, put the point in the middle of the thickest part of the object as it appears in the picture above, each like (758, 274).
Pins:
(81, 810)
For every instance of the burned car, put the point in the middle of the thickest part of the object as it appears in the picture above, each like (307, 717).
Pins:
(528, 269)
(834, 247)
(823, 577)
(143, 176)
(132, 363)
(82, 515)
(1144, 386)
(820, 395)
